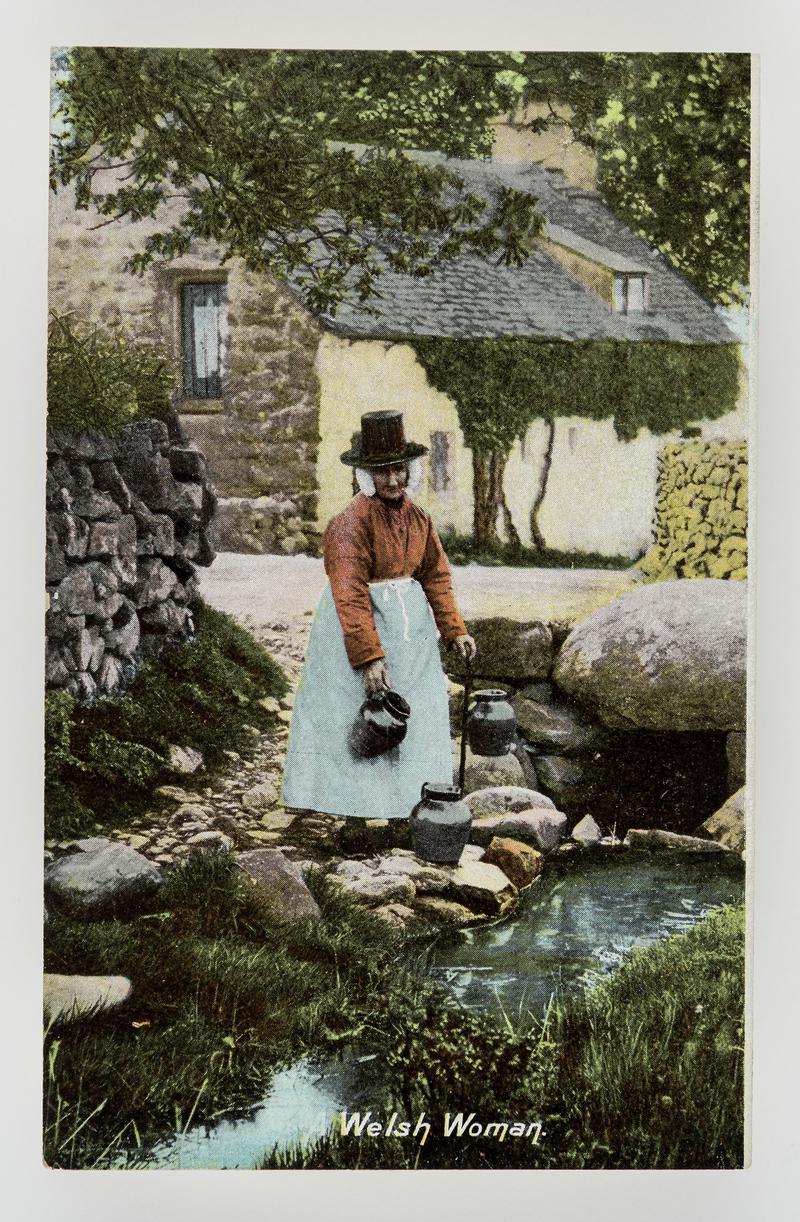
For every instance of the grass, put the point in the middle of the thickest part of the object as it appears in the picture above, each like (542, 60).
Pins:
(461, 549)
(221, 997)
(645, 1071)
(103, 761)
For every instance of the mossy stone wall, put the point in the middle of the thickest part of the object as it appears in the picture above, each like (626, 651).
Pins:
(700, 522)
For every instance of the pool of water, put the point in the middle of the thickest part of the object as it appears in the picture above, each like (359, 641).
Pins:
(571, 928)
(577, 922)
(303, 1101)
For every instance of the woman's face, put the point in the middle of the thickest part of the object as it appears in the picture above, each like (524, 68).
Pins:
(390, 482)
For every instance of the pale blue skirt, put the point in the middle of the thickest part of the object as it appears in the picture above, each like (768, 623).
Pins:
(321, 773)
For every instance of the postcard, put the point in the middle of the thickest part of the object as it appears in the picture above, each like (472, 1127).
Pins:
(396, 801)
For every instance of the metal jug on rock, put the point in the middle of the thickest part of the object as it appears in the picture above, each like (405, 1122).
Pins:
(440, 824)
(381, 724)
(491, 724)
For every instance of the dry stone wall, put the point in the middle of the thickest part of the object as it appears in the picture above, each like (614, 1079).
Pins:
(701, 511)
(128, 519)
(261, 437)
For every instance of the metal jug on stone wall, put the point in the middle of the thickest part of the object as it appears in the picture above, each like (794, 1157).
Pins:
(491, 723)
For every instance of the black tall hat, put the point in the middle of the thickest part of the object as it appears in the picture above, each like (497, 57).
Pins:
(381, 442)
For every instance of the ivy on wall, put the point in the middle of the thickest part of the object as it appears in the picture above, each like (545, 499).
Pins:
(500, 386)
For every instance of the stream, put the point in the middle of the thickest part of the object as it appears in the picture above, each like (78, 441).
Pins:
(572, 927)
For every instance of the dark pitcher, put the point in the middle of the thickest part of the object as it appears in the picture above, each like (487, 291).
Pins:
(381, 724)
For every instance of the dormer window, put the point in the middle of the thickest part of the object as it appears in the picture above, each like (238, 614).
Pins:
(630, 293)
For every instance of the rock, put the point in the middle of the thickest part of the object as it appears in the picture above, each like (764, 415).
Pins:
(427, 879)
(109, 675)
(281, 883)
(90, 843)
(656, 840)
(472, 852)
(669, 656)
(269, 704)
(173, 793)
(111, 881)
(519, 862)
(277, 820)
(260, 797)
(211, 839)
(184, 760)
(567, 781)
(544, 829)
(155, 582)
(399, 916)
(586, 832)
(440, 911)
(484, 771)
(260, 836)
(727, 825)
(502, 799)
(556, 728)
(374, 835)
(479, 885)
(736, 751)
(71, 997)
(366, 885)
(507, 650)
(76, 595)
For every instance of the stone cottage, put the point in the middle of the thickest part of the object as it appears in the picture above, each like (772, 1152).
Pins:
(272, 393)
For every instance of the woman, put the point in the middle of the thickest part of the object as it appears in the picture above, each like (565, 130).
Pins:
(376, 627)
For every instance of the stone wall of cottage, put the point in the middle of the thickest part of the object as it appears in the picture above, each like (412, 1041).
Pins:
(128, 519)
(700, 521)
(261, 437)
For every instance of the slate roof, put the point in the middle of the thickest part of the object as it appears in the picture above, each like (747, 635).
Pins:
(473, 296)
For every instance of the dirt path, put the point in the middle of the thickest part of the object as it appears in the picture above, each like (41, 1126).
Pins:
(274, 597)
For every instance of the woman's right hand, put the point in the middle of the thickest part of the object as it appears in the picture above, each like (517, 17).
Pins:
(375, 677)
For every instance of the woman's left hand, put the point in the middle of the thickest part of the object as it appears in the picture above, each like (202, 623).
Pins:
(465, 646)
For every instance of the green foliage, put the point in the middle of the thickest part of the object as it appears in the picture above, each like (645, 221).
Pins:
(500, 386)
(462, 549)
(672, 136)
(248, 138)
(645, 1071)
(260, 147)
(103, 759)
(99, 381)
(213, 1012)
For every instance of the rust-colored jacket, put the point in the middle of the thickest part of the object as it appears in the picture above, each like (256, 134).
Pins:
(373, 541)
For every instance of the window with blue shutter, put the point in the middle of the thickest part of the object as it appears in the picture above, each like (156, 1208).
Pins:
(202, 307)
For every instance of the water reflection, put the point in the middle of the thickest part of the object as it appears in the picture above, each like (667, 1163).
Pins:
(577, 924)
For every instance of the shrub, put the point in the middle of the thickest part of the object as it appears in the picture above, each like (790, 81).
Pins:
(100, 381)
(102, 760)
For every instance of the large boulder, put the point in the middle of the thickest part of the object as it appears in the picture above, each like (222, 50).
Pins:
(566, 780)
(507, 650)
(113, 880)
(281, 884)
(668, 656)
(556, 727)
(727, 825)
(736, 751)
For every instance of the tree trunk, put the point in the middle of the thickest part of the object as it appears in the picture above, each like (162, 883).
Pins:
(489, 500)
(537, 538)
